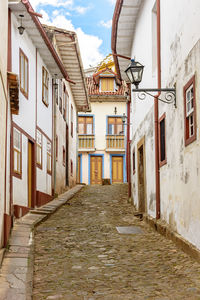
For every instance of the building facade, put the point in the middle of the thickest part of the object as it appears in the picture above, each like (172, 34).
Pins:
(70, 97)
(165, 137)
(102, 134)
(3, 112)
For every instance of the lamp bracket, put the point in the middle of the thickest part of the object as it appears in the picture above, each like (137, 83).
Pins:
(170, 94)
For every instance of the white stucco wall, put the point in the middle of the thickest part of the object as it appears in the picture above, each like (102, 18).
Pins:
(27, 109)
(3, 86)
(179, 178)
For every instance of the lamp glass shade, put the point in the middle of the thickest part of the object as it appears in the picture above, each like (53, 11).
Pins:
(21, 29)
(134, 72)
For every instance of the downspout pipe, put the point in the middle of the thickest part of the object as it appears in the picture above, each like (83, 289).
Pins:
(156, 112)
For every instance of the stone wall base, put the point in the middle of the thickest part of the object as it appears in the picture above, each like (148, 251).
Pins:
(163, 228)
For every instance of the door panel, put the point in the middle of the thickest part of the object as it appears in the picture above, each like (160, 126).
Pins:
(117, 169)
(95, 169)
(79, 169)
(141, 178)
(30, 174)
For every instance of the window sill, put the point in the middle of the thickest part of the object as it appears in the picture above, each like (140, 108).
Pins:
(24, 93)
(162, 163)
(17, 175)
(49, 172)
(190, 140)
(39, 166)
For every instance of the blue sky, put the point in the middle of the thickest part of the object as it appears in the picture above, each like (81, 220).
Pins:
(91, 19)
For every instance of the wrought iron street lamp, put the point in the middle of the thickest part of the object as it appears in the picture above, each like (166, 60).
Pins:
(21, 28)
(134, 73)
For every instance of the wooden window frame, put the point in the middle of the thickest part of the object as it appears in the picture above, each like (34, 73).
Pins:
(72, 120)
(15, 172)
(64, 156)
(71, 171)
(133, 157)
(190, 139)
(115, 125)
(65, 98)
(41, 148)
(164, 161)
(49, 154)
(106, 79)
(85, 125)
(56, 148)
(22, 89)
(45, 86)
(60, 96)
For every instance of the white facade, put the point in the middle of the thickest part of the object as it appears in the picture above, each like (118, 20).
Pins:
(3, 112)
(179, 176)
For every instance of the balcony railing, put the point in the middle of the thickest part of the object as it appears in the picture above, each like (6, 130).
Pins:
(86, 142)
(115, 142)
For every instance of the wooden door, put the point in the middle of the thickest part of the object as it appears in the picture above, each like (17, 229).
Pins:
(67, 157)
(141, 179)
(30, 174)
(117, 169)
(79, 169)
(96, 170)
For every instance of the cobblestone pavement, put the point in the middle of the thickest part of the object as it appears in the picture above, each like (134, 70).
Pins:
(79, 254)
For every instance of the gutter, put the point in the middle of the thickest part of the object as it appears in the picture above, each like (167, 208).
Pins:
(115, 20)
(34, 17)
(157, 168)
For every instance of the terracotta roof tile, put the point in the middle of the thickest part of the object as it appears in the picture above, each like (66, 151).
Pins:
(93, 89)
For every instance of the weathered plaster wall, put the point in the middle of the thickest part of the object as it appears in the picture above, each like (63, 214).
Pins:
(3, 96)
(180, 205)
(179, 178)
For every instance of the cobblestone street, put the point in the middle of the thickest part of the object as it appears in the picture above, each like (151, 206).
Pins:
(79, 254)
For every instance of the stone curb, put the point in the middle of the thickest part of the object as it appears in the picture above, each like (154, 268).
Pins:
(163, 228)
(16, 273)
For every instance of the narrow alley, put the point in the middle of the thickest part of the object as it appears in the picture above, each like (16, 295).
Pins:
(79, 253)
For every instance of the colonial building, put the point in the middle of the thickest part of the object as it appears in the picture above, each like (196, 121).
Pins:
(102, 134)
(71, 97)
(165, 146)
(3, 112)
(36, 64)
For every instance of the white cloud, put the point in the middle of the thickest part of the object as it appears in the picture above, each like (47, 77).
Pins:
(81, 10)
(55, 3)
(89, 44)
(107, 24)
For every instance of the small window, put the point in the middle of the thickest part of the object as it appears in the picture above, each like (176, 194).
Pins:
(64, 156)
(134, 161)
(85, 125)
(162, 141)
(49, 157)
(56, 90)
(17, 149)
(115, 126)
(39, 149)
(190, 111)
(65, 100)
(23, 74)
(72, 120)
(56, 147)
(45, 86)
(60, 95)
(107, 84)
(71, 168)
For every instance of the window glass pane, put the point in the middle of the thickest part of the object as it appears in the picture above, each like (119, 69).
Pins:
(81, 128)
(119, 129)
(26, 76)
(89, 129)
(162, 140)
(110, 128)
(22, 71)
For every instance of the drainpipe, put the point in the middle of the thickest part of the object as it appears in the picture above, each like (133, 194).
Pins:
(128, 161)
(54, 138)
(157, 171)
